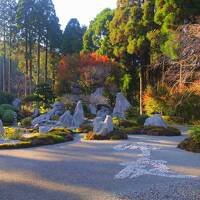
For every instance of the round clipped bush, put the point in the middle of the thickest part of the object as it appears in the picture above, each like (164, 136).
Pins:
(8, 116)
(7, 107)
(26, 122)
(1, 112)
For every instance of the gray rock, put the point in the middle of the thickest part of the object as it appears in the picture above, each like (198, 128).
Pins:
(92, 109)
(41, 119)
(121, 106)
(36, 113)
(103, 127)
(97, 124)
(66, 120)
(17, 103)
(2, 130)
(58, 108)
(103, 112)
(45, 129)
(78, 117)
(155, 120)
(98, 92)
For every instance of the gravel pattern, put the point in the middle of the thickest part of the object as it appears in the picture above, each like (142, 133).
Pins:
(81, 170)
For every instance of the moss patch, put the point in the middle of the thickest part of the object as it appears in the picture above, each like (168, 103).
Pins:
(190, 144)
(115, 135)
(53, 137)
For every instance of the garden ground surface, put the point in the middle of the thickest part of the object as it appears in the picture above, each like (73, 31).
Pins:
(141, 168)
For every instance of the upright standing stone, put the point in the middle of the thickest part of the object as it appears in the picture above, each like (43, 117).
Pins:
(121, 106)
(66, 120)
(17, 103)
(2, 130)
(78, 117)
(103, 127)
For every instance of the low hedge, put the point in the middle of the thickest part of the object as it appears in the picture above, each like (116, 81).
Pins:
(154, 131)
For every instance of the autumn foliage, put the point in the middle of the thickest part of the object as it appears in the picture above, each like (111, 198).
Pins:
(87, 72)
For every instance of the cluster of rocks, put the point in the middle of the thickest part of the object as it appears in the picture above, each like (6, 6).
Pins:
(67, 120)
(103, 124)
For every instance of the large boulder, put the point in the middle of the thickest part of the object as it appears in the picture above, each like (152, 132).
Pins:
(2, 130)
(17, 104)
(45, 129)
(78, 117)
(155, 121)
(66, 120)
(41, 119)
(58, 108)
(92, 109)
(121, 106)
(103, 111)
(36, 113)
(103, 127)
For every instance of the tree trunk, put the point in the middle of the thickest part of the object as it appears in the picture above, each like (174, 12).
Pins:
(141, 91)
(46, 62)
(38, 62)
(26, 69)
(4, 59)
(10, 65)
(30, 67)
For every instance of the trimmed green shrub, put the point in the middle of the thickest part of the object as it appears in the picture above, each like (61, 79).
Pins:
(6, 98)
(7, 107)
(195, 133)
(8, 116)
(1, 112)
(26, 122)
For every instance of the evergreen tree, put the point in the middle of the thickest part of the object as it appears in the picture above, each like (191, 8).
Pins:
(72, 37)
(96, 38)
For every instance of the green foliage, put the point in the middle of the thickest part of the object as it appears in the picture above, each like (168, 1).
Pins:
(8, 116)
(195, 133)
(26, 122)
(115, 135)
(7, 107)
(96, 38)
(44, 92)
(32, 98)
(6, 98)
(72, 37)
(12, 133)
(141, 119)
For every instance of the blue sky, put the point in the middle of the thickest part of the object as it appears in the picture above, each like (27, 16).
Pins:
(83, 10)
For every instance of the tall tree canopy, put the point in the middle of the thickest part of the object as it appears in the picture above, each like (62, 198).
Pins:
(96, 37)
(72, 41)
